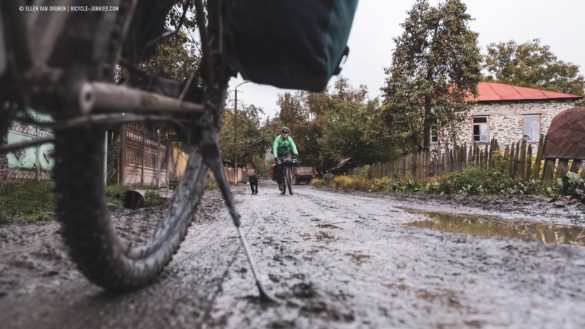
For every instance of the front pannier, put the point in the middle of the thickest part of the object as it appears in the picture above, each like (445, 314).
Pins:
(293, 44)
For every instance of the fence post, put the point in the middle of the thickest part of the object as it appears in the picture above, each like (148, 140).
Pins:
(425, 164)
(522, 160)
(506, 159)
(528, 163)
(429, 164)
(511, 161)
(432, 171)
(538, 162)
(562, 168)
(462, 154)
(516, 163)
(575, 166)
(454, 160)
(414, 165)
(489, 154)
(469, 160)
(450, 161)
(421, 164)
(549, 168)
(383, 169)
(457, 151)
(496, 153)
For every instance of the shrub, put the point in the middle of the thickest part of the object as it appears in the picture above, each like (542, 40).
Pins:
(475, 181)
(317, 181)
(342, 183)
(152, 199)
(328, 178)
(471, 181)
(209, 186)
(116, 191)
(380, 184)
(572, 184)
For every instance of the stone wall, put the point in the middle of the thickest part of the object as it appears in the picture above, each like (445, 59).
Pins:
(506, 119)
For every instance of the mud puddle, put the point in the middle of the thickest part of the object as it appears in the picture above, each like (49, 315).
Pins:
(491, 226)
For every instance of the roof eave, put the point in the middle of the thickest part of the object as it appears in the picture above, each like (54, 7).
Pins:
(525, 100)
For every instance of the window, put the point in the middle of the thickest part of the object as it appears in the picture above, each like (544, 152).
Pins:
(532, 127)
(434, 135)
(480, 130)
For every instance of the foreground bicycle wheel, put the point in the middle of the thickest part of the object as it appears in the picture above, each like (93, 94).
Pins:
(129, 250)
(117, 249)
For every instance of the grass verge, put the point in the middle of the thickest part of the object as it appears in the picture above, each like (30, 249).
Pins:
(471, 181)
(26, 202)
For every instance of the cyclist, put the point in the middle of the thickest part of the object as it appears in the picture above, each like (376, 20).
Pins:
(282, 145)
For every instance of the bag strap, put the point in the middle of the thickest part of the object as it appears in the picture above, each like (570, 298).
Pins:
(342, 58)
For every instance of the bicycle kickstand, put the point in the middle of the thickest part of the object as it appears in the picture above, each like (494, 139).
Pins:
(212, 159)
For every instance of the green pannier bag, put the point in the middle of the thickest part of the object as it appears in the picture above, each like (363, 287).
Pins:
(293, 44)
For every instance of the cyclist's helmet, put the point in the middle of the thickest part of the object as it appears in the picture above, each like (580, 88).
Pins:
(285, 130)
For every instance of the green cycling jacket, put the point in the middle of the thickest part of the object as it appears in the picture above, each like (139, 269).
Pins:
(282, 145)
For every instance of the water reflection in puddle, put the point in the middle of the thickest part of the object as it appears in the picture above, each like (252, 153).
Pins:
(497, 227)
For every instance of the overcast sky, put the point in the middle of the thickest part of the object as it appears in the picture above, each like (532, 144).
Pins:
(559, 24)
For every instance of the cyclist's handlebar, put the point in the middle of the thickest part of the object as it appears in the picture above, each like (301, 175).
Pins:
(292, 159)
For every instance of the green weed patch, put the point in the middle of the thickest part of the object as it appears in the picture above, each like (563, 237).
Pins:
(26, 201)
(115, 194)
(471, 181)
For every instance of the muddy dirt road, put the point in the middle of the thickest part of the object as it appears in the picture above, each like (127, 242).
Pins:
(334, 260)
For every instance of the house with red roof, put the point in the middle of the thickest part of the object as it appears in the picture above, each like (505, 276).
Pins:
(510, 113)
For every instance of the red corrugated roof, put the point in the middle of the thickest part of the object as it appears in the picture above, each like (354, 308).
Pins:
(495, 91)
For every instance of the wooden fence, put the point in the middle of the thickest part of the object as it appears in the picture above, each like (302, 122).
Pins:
(520, 161)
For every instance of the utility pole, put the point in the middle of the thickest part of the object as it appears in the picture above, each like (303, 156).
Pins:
(236, 132)
(106, 159)
(37, 150)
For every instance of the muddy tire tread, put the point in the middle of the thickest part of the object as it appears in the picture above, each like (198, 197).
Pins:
(87, 230)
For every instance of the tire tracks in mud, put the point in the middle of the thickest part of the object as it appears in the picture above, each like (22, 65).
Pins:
(369, 270)
(182, 297)
(22, 238)
(335, 260)
(293, 232)
(207, 317)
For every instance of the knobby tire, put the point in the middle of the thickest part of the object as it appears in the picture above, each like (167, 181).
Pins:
(100, 253)
(288, 178)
